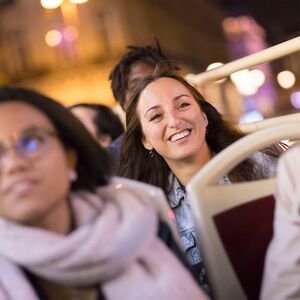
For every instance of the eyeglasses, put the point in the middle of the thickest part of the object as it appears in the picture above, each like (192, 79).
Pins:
(28, 144)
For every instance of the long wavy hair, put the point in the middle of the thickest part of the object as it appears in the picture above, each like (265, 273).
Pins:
(136, 162)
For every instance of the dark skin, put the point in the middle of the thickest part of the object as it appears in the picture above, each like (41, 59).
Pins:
(138, 71)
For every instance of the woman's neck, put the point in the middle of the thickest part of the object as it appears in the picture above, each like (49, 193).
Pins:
(185, 169)
(52, 291)
(57, 219)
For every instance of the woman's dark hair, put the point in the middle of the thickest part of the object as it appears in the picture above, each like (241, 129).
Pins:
(105, 120)
(136, 162)
(150, 55)
(93, 162)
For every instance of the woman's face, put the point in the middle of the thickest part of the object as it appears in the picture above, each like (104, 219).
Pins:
(34, 167)
(172, 121)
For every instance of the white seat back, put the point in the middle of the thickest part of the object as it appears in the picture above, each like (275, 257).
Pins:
(209, 199)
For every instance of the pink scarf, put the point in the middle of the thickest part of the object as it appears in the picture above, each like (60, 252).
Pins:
(115, 245)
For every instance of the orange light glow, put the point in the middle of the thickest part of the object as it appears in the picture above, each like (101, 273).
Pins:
(286, 79)
(53, 38)
(78, 1)
(51, 4)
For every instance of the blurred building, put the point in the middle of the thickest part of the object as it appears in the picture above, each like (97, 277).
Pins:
(279, 21)
(68, 52)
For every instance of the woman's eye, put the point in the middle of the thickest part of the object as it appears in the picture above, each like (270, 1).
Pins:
(184, 104)
(30, 143)
(155, 117)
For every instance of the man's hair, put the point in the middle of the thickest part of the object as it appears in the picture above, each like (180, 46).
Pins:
(150, 55)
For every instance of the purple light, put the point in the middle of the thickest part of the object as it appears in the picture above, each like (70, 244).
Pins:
(295, 99)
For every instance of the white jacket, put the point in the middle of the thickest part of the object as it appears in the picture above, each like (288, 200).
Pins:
(282, 266)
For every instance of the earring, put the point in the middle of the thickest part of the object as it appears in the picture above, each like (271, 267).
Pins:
(72, 175)
(206, 131)
(151, 153)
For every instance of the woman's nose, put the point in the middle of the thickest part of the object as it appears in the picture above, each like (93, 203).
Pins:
(174, 120)
(12, 162)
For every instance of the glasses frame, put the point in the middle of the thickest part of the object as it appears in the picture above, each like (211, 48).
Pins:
(11, 143)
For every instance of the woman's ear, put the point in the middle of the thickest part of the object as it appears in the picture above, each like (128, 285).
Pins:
(205, 120)
(146, 144)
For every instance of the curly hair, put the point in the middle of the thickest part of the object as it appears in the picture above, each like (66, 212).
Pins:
(147, 54)
(135, 162)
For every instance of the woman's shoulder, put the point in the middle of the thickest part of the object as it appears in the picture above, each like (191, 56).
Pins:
(145, 192)
(140, 189)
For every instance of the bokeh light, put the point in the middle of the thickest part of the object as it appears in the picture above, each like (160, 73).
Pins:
(70, 33)
(51, 4)
(213, 66)
(258, 76)
(295, 99)
(78, 1)
(53, 38)
(251, 116)
(286, 79)
(244, 82)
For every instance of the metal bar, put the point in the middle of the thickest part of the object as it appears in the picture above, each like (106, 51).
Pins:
(260, 57)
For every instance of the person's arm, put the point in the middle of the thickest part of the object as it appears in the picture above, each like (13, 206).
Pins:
(282, 265)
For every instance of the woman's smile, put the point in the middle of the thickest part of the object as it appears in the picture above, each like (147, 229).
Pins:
(183, 134)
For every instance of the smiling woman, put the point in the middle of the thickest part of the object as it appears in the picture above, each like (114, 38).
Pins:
(172, 132)
(59, 209)
(173, 125)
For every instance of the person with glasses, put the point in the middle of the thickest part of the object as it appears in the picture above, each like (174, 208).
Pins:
(67, 229)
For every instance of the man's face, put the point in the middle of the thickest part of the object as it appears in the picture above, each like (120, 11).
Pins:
(138, 71)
